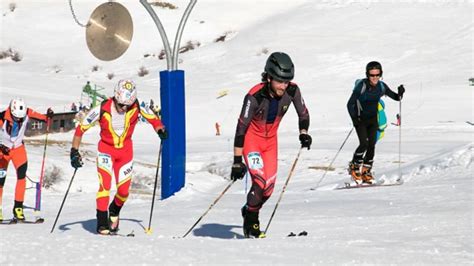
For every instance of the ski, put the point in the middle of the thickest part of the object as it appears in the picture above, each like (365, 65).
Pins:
(131, 234)
(302, 233)
(16, 221)
(365, 185)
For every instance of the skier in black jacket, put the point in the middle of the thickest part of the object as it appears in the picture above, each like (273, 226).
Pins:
(363, 108)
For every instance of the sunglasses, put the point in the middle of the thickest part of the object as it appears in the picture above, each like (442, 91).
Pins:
(375, 75)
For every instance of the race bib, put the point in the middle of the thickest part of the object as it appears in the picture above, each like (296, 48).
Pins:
(254, 160)
(3, 173)
(104, 161)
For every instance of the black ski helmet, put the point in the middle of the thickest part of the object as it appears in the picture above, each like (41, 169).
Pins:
(279, 66)
(373, 65)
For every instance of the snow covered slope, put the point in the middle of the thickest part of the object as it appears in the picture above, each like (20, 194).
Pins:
(425, 45)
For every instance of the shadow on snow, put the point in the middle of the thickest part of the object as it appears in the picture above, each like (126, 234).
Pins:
(91, 224)
(218, 231)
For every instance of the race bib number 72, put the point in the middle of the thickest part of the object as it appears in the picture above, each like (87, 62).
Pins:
(255, 160)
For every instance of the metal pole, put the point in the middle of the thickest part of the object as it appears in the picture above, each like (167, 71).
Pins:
(210, 207)
(283, 189)
(148, 230)
(64, 200)
(39, 189)
(179, 34)
(325, 172)
(400, 141)
(161, 29)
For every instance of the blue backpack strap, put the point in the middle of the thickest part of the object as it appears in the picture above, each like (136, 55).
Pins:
(357, 84)
(382, 87)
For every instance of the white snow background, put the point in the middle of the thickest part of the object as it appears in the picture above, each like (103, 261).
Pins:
(425, 45)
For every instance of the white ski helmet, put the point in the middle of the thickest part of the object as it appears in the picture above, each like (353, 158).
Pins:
(18, 108)
(125, 92)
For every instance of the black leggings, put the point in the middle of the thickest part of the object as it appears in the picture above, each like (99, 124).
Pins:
(367, 133)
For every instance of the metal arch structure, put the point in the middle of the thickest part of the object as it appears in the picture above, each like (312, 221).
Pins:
(172, 97)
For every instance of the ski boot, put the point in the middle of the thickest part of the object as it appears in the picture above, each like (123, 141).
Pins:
(102, 223)
(114, 220)
(367, 175)
(354, 171)
(251, 224)
(1, 214)
(18, 215)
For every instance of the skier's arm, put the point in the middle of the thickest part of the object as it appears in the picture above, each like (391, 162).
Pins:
(2, 118)
(76, 142)
(35, 115)
(246, 115)
(391, 93)
(248, 109)
(87, 122)
(352, 105)
(150, 116)
(302, 111)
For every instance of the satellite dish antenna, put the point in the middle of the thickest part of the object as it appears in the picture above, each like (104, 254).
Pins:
(109, 31)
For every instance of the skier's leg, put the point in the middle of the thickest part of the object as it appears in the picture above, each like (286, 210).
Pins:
(362, 134)
(104, 170)
(123, 170)
(255, 195)
(3, 176)
(20, 161)
(255, 164)
(357, 159)
(367, 175)
(254, 160)
(270, 156)
(371, 140)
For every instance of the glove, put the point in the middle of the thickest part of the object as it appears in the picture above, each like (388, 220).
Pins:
(163, 134)
(76, 159)
(239, 169)
(401, 91)
(4, 149)
(305, 140)
(49, 113)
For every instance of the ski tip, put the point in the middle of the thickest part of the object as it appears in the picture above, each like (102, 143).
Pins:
(303, 233)
(131, 234)
(148, 231)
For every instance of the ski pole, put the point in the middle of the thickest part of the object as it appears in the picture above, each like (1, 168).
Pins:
(284, 188)
(64, 200)
(39, 186)
(210, 207)
(148, 230)
(246, 182)
(325, 172)
(400, 141)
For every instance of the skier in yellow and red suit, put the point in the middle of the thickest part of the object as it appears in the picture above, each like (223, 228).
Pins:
(117, 117)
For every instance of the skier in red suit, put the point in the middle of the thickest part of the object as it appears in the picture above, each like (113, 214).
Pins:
(13, 123)
(256, 135)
